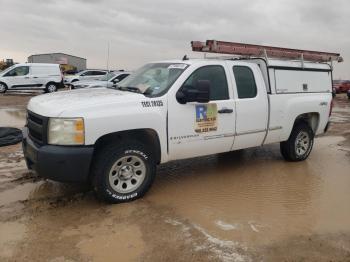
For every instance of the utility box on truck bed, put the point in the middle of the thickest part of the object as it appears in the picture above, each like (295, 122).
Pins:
(293, 77)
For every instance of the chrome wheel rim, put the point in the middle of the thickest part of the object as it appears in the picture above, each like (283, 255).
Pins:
(2, 88)
(302, 143)
(51, 88)
(127, 174)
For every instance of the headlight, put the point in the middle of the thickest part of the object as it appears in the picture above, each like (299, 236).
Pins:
(66, 131)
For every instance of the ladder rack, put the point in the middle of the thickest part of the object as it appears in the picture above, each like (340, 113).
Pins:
(248, 50)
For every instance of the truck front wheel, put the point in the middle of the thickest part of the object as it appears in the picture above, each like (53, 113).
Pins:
(123, 172)
(299, 145)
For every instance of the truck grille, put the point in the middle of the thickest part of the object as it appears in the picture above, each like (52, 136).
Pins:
(37, 127)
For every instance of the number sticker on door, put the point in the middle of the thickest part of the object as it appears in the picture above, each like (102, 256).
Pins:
(206, 118)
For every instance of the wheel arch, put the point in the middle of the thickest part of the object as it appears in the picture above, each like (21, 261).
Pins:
(51, 82)
(147, 136)
(2, 82)
(312, 119)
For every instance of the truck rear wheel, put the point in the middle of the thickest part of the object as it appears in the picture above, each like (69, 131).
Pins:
(299, 145)
(123, 172)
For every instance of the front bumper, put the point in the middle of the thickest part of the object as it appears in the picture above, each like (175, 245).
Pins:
(59, 163)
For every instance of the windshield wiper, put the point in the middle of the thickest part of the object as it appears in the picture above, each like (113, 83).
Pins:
(129, 88)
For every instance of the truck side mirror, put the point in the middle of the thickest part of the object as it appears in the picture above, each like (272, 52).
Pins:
(199, 93)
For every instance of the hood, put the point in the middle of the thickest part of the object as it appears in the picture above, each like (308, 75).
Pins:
(91, 83)
(54, 104)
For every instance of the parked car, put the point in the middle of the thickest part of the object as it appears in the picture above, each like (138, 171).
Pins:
(341, 86)
(172, 110)
(30, 76)
(107, 80)
(84, 75)
(348, 93)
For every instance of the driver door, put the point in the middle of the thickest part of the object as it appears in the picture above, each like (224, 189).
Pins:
(198, 129)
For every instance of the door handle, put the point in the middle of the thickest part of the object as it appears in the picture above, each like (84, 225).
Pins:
(225, 111)
(35, 77)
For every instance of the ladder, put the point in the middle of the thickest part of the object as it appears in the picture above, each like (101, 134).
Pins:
(248, 50)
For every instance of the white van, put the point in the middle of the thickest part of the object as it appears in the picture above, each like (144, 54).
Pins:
(34, 76)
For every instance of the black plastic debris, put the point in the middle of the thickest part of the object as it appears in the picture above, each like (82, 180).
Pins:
(10, 136)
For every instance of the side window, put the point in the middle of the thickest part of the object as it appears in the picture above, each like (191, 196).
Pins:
(217, 77)
(88, 73)
(121, 77)
(245, 81)
(18, 71)
(99, 73)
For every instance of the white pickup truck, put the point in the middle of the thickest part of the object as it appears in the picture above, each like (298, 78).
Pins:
(171, 110)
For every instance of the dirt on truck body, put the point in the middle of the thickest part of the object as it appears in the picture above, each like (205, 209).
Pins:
(247, 205)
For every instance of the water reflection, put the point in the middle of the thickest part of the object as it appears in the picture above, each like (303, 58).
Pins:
(12, 117)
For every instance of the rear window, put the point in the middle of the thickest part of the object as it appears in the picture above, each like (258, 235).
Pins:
(245, 82)
(98, 73)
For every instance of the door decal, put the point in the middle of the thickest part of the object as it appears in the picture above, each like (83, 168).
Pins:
(206, 118)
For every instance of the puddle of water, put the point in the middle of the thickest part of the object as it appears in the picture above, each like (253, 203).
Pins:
(11, 234)
(12, 117)
(210, 208)
(259, 195)
(341, 110)
(38, 190)
(19, 193)
(110, 240)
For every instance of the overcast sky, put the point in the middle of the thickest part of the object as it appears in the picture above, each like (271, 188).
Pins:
(142, 31)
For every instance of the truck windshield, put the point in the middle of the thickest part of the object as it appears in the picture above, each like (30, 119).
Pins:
(153, 79)
(107, 77)
(7, 70)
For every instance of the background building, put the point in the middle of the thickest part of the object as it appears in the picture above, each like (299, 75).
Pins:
(68, 62)
(6, 63)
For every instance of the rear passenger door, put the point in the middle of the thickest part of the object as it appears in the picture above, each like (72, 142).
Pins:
(197, 129)
(251, 104)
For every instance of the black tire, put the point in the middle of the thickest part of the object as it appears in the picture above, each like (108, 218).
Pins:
(3, 88)
(51, 87)
(71, 85)
(295, 148)
(108, 158)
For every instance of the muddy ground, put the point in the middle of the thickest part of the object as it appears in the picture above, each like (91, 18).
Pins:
(243, 206)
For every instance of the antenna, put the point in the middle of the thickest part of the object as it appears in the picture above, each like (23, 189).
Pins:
(108, 56)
